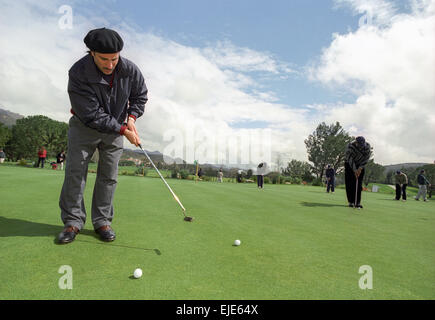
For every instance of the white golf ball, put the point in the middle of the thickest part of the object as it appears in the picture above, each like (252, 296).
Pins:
(137, 273)
(237, 242)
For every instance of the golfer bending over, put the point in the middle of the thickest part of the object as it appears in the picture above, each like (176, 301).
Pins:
(358, 154)
(105, 90)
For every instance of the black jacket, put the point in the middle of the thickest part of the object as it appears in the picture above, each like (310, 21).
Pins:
(330, 173)
(101, 106)
(421, 179)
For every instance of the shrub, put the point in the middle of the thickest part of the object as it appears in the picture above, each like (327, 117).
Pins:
(174, 174)
(184, 174)
(295, 180)
(22, 162)
(126, 163)
(141, 171)
(317, 182)
(273, 177)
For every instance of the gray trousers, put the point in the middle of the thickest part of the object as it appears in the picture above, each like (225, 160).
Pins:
(82, 143)
(422, 189)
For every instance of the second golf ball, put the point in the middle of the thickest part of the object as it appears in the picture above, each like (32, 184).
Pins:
(137, 273)
(237, 242)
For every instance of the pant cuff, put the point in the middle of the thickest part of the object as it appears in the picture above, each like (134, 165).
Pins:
(75, 225)
(101, 224)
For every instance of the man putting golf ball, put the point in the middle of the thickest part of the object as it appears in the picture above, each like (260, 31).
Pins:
(358, 153)
(107, 94)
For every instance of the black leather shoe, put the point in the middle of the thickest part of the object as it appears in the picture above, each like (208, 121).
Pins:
(106, 233)
(67, 235)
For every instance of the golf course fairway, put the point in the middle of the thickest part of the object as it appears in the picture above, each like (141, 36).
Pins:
(297, 242)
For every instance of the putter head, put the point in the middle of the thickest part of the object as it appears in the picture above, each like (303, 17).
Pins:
(189, 219)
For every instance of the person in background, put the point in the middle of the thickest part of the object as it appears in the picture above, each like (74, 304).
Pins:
(42, 155)
(2, 156)
(200, 174)
(422, 186)
(60, 159)
(330, 179)
(401, 184)
(239, 176)
(220, 175)
(357, 155)
(261, 169)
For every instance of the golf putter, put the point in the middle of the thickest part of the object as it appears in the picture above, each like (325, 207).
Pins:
(186, 218)
(356, 193)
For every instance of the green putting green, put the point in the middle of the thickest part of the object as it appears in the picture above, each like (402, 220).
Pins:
(298, 242)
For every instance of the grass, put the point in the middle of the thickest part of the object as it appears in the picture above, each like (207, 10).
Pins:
(297, 242)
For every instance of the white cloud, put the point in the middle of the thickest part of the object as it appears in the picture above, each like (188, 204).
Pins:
(204, 88)
(215, 91)
(226, 55)
(392, 71)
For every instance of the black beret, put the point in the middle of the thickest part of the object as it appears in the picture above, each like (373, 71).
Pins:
(104, 40)
(361, 140)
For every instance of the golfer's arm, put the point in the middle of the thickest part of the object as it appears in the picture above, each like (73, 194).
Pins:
(138, 96)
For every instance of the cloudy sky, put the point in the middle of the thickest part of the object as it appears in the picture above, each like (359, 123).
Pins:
(241, 81)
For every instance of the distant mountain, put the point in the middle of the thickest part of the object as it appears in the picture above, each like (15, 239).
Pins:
(155, 156)
(395, 167)
(9, 118)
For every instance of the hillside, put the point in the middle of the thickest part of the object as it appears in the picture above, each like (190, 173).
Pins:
(138, 154)
(395, 167)
(9, 118)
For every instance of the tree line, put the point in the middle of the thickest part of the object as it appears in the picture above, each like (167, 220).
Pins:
(325, 146)
(29, 134)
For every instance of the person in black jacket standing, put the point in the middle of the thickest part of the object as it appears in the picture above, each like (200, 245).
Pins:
(330, 179)
(105, 91)
(358, 153)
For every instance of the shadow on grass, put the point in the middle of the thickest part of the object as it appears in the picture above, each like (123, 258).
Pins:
(10, 227)
(319, 204)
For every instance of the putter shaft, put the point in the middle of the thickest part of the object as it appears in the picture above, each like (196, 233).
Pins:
(167, 185)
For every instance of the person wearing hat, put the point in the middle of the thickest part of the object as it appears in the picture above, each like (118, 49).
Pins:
(357, 155)
(261, 171)
(107, 94)
(401, 184)
(422, 186)
(330, 179)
